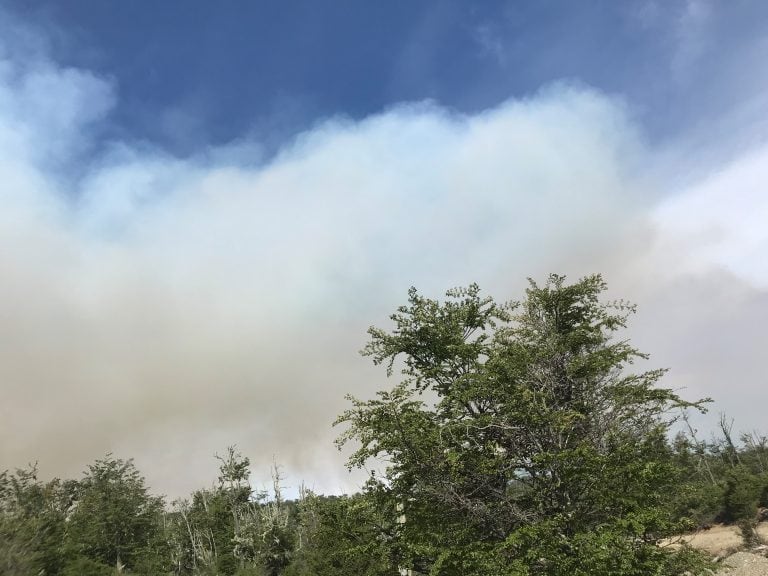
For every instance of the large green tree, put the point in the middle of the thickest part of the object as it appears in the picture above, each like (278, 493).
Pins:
(519, 440)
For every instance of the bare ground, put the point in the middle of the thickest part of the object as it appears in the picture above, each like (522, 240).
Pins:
(719, 540)
(725, 543)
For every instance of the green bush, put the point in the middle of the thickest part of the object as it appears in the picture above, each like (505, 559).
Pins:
(741, 495)
(84, 566)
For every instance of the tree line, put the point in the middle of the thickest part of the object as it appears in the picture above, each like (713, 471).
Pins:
(518, 441)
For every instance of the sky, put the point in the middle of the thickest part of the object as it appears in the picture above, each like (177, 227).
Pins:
(205, 205)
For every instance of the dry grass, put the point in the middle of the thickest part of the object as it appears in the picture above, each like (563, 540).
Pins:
(719, 540)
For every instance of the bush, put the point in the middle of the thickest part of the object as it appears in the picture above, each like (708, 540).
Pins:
(741, 495)
(84, 566)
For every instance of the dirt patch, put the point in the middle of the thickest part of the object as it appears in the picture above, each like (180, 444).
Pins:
(744, 564)
(719, 540)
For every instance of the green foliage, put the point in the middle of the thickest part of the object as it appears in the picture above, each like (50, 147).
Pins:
(723, 480)
(514, 420)
(345, 536)
(543, 549)
(84, 566)
(252, 570)
(748, 530)
(740, 496)
(32, 522)
(115, 522)
(232, 529)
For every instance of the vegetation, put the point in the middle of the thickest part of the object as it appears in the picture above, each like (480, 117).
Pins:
(518, 442)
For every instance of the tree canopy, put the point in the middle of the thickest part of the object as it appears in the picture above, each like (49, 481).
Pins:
(519, 440)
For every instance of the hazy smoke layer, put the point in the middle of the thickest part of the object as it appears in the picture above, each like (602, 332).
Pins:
(163, 308)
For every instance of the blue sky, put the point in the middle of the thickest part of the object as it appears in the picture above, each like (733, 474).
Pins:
(197, 73)
(205, 204)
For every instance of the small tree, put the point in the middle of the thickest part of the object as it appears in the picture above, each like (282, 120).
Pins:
(233, 529)
(32, 522)
(116, 522)
(211, 532)
(345, 536)
(518, 441)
